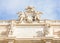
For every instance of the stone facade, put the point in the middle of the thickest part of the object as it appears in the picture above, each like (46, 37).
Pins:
(29, 28)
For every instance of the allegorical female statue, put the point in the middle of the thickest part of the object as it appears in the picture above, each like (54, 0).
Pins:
(21, 16)
(36, 16)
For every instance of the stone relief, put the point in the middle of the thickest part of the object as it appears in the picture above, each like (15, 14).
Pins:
(39, 34)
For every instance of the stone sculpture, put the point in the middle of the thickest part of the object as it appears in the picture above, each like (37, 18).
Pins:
(30, 15)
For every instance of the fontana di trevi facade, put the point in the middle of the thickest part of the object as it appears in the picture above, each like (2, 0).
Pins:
(29, 28)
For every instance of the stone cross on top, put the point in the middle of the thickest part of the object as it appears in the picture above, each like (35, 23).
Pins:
(30, 15)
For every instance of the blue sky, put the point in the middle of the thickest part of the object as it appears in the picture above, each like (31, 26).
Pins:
(9, 8)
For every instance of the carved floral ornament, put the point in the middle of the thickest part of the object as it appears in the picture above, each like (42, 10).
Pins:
(30, 15)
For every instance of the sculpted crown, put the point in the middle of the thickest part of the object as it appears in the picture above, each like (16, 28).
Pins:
(30, 15)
